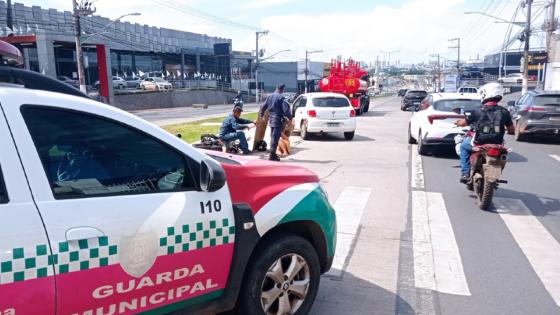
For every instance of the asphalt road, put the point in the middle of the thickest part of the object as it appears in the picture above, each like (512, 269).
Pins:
(170, 116)
(411, 239)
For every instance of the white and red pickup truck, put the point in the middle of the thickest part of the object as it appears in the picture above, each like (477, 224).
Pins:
(105, 213)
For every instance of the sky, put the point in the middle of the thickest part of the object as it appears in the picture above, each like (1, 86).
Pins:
(365, 30)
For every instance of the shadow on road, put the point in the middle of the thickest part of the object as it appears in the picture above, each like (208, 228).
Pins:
(540, 206)
(350, 294)
(376, 113)
(545, 140)
(334, 137)
(514, 157)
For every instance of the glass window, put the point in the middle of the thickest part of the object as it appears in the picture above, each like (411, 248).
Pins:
(331, 102)
(3, 192)
(458, 106)
(303, 102)
(86, 156)
(547, 100)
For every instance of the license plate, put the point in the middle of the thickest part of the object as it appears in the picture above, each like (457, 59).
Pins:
(332, 124)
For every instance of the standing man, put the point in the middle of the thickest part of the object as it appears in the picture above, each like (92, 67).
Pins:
(232, 129)
(278, 110)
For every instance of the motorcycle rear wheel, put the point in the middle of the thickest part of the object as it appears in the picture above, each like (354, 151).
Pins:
(485, 196)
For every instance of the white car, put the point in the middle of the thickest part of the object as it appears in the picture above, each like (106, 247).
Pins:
(155, 84)
(512, 78)
(434, 122)
(118, 83)
(324, 112)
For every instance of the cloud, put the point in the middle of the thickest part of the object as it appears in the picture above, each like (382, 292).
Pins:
(416, 29)
(259, 4)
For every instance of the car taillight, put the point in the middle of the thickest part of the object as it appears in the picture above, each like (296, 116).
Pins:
(352, 113)
(535, 109)
(493, 152)
(311, 113)
(431, 118)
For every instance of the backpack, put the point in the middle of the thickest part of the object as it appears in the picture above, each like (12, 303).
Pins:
(489, 127)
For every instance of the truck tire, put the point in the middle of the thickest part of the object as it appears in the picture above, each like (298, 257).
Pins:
(271, 286)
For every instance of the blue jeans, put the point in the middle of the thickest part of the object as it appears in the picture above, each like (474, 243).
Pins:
(239, 135)
(466, 150)
(275, 133)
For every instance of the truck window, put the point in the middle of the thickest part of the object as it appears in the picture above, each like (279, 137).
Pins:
(84, 156)
(3, 192)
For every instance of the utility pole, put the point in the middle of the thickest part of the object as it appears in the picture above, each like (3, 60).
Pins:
(526, 38)
(79, 10)
(257, 54)
(550, 28)
(458, 47)
(438, 73)
(307, 53)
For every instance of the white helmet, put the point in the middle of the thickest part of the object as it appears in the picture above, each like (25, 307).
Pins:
(491, 91)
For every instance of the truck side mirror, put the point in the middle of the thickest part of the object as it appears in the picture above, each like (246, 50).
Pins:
(212, 176)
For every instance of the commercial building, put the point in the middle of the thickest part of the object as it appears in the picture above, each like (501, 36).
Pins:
(292, 74)
(113, 47)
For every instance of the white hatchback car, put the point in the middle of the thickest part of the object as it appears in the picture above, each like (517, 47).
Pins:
(324, 112)
(433, 123)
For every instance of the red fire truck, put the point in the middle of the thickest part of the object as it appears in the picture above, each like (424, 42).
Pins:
(350, 79)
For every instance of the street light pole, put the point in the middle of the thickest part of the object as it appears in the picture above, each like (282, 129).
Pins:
(438, 72)
(526, 47)
(257, 52)
(307, 53)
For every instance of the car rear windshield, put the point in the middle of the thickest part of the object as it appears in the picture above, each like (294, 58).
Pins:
(330, 102)
(416, 93)
(547, 100)
(458, 106)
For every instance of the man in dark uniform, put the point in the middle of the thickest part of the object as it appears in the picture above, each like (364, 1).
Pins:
(232, 129)
(278, 110)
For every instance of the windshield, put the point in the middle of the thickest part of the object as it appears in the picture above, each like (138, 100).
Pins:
(330, 102)
(416, 94)
(455, 105)
(547, 100)
(158, 79)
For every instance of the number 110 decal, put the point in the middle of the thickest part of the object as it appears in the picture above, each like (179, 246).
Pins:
(210, 206)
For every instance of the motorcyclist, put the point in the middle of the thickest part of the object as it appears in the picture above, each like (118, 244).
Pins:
(489, 124)
(232, 129)
(238, 99)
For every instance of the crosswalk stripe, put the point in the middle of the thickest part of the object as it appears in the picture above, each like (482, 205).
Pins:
(539, 246)
(416, 170)
(554, 156)
(349, 208)
(437, 261)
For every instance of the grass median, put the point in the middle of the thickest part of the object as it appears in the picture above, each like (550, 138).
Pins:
(191, 131)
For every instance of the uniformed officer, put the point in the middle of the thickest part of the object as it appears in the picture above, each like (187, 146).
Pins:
(279, 110)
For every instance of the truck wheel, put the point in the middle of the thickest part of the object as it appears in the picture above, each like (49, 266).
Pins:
(283, 278)
(303, 131)
(349, 135)
(366, 108)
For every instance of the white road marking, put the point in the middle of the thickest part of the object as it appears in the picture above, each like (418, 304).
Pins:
(416, 170)
(349, 208)
(554, 156)
(437, 261)
(541, 248)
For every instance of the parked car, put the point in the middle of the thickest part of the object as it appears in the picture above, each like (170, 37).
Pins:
(401, 92)
(467, 90)
(132, 82)
(512, 78)
(118, 83)
(536, 113)
(67, 80)
(322, 113)
(412, 98)
(434, 122)
(155, 84)
(102, 210)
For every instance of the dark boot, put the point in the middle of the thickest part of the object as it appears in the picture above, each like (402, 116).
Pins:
(274, 157)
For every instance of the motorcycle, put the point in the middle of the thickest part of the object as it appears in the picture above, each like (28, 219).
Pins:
(210, 141)
(238, 102)
(487, 163)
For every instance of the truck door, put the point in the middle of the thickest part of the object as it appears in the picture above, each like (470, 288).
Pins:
(26, 269)
(128, 226)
